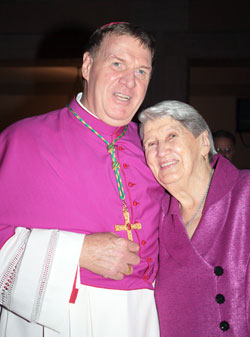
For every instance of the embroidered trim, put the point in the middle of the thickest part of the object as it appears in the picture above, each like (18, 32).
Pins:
(7, 279)
(44, 275)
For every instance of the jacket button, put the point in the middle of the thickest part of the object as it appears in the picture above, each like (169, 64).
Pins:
(125, 165)
(135, 203)
(220, 298)
(130, 184)
(224, 326)
(218, 270)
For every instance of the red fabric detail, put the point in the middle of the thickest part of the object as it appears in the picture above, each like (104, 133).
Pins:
(74, 292)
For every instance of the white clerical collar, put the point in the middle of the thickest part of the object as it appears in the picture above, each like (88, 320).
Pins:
(78, 99)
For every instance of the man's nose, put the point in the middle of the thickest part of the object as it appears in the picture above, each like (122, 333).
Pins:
(128, 79)
(224, 151)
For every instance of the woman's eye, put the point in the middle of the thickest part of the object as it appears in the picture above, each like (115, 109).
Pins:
(171, 136)
(151, 144)
(116, 64)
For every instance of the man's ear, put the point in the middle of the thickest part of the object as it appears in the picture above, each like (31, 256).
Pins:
(86, 65)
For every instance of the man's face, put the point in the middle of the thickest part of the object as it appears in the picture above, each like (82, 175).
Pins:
(224, 146)
(117, 78)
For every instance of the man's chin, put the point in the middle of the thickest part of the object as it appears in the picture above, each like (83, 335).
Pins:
(119, 120)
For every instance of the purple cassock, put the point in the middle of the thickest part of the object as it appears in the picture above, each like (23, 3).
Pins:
(203, 285)
(57, 174)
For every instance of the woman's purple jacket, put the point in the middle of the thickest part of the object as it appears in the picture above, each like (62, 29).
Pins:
(203, 284)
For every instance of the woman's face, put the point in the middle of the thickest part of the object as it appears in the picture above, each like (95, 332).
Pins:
(172, 152)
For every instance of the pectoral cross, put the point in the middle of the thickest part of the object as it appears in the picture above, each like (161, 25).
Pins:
(128, 226)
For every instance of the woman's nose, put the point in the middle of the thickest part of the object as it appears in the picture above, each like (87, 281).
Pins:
(162, 149)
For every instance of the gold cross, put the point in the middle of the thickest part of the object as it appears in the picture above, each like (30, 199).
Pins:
(128, 226)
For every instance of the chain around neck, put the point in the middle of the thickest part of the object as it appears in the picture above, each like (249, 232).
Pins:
(201, 203)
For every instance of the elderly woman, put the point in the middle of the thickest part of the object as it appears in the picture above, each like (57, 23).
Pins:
(203, 284)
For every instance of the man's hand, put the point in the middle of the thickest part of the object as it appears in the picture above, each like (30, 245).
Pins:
(109, 255)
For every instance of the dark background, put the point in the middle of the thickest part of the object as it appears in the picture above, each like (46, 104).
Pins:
(203, 55)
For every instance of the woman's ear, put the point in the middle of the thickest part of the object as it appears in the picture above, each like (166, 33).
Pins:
(205, 144)
(86, 65)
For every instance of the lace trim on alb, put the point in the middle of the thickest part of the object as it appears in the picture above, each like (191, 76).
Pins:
(7, 279)
(44, 275)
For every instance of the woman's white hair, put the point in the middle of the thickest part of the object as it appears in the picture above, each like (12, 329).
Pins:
(183, 113)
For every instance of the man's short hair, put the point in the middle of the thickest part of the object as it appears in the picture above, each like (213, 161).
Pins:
(224, 134)
(120, 28)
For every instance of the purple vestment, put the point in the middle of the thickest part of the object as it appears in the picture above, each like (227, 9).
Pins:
(56, 173)
(203, 285)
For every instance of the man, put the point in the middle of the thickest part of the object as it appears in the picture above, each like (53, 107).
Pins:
(81, 171)
(224, 142)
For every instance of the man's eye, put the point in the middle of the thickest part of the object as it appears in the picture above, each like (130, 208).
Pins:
(116, 64)
(141, 72)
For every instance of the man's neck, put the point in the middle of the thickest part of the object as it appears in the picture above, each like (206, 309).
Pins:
(78, 99)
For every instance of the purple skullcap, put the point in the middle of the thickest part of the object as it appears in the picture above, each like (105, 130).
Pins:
(112, 23)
